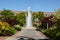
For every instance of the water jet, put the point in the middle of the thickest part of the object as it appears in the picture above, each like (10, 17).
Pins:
(29, 20)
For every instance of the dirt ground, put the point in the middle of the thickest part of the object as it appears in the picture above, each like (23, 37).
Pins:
(3, 38)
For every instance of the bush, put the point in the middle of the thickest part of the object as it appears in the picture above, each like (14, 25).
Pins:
(6, 30)
(4, 25)
(12, 30)
(11, 21)
(17, 27)
(53, 32)
(21, 18)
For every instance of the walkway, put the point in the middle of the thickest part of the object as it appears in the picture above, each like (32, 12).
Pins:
(28, 33)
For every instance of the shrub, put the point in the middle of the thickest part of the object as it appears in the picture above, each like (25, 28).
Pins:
(12, 30)
(53, 32)
(17, 27)
(5, 29)
(21, 18)
(6, 14)
(4, 25)
(11, 21)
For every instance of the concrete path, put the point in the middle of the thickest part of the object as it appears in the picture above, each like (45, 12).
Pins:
(28, 33)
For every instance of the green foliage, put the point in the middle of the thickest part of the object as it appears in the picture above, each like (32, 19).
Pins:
(57, 14)
(34, 15)
(12, 30)
(21, 18)
(39, 15)
(53, 33)
(6, 14)
(56, 18)
(17, 27)
(5, 29)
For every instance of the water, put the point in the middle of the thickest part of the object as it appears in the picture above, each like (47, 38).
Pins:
(29, 19)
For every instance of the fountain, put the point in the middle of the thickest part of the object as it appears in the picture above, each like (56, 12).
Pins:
(29, 24)
(29, 19)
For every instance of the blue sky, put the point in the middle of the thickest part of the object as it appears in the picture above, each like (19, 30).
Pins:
(36, 5)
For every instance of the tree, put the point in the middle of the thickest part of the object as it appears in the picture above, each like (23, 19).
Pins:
(21, 18)
(7, 14)
(56, 18)
(39, 15)
(34, 15)
(57, 14)
(47, 22)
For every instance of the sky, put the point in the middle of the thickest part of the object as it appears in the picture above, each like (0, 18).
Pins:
(36, 5)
